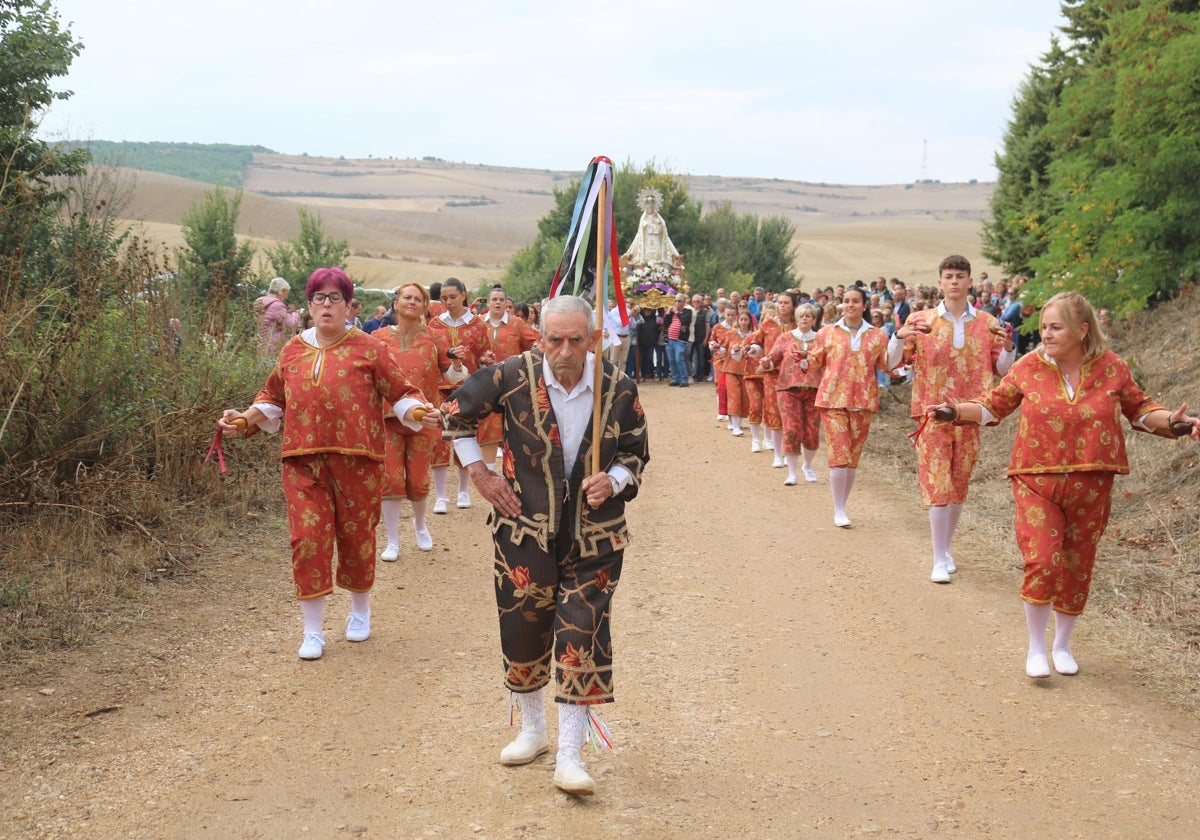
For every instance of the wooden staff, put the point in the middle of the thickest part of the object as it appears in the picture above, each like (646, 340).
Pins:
(601, 277)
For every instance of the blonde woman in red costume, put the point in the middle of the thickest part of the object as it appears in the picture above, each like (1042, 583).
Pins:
(778, 317)
(1072, 391)
(796, 386)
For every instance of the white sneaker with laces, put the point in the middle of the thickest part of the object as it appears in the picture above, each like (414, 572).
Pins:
(755, 446)
(950, 567)
(441, 504)
(390, 553)
(778, 462)
(790, 481)
(313, 646)
(768, 444)
(424, 538)
(810, 474)
(738, 432)
(940, 574)
(841, 520)
(464, 499)
(358, 627)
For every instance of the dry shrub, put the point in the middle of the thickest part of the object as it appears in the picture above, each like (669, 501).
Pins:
(1145, 597)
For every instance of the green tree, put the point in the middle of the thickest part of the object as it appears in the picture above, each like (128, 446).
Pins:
(214, 266)
(34, 51)
(297, 258)
(1098, 179)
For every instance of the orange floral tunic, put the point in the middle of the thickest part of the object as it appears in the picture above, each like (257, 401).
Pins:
(944, 370)
(1063, 434)
(847, 375)
(784, 359)
(421, 356)
(473, 335)
(334, 397)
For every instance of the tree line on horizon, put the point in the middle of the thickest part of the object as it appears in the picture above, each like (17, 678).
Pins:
(1099, 173)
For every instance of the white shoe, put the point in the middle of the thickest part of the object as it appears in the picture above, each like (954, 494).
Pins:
(738, 432)
(524, 748)
(809, 475)
(778, 462)
(721, 418)
(358, 627)
(440, 505)
(1065, 663)
(950, 567)
(940, 573)
(768, 444)
(569, 776)
(841, 520)
(790, 481)
(313, 647)
(424, 538)
(390, 553)
(464, 499)
(755, 446)
(1037, 667)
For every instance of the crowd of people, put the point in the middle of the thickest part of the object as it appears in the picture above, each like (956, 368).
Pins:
(374, 412)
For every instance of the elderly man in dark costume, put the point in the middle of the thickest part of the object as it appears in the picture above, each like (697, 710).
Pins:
(559, 529)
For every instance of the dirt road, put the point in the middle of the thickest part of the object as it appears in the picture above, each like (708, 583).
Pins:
(777, 677)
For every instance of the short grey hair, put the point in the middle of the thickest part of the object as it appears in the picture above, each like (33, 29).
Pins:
(278, 285)
(565, 305)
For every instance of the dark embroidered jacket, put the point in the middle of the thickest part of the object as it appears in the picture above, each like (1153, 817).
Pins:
(533, 456)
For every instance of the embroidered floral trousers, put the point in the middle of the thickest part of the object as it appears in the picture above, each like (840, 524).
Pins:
(1060, 519)
(801, 419)
(946, 456)
(845, 435)
(332, 499)
(409, 457)
(554, 614)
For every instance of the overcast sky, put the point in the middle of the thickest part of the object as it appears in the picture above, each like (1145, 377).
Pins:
(864, 92)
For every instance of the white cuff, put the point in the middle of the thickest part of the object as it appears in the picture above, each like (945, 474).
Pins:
(454, 375)
(401, 408)
(622, 475)
(273, 413)
(468, 451)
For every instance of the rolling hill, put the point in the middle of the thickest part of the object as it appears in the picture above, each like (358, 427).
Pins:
(426, 220)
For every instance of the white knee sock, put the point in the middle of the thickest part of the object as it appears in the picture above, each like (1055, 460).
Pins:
(418, 506)
(1064, 625)
(737, 423)
(571, 720)
(439, 481)
(777, 440)
(533, 711)
(955, 512)
(939, 529)
(756, 433)
(390, 509)
(464, 479)
(1037, 616)
(360, 603)
(837, 484)
(792, 461)
(850, 474)
(808, 454)
(312, 610)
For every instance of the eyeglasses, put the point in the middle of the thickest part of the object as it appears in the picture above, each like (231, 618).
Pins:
(320, 297)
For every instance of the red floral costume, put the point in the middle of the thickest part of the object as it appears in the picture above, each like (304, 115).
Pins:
(476, 340)
(410, 452)
(511, 338)
(946, 454)
(333, 449)
(848, 394)
(796, 389)
(1067, 450)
